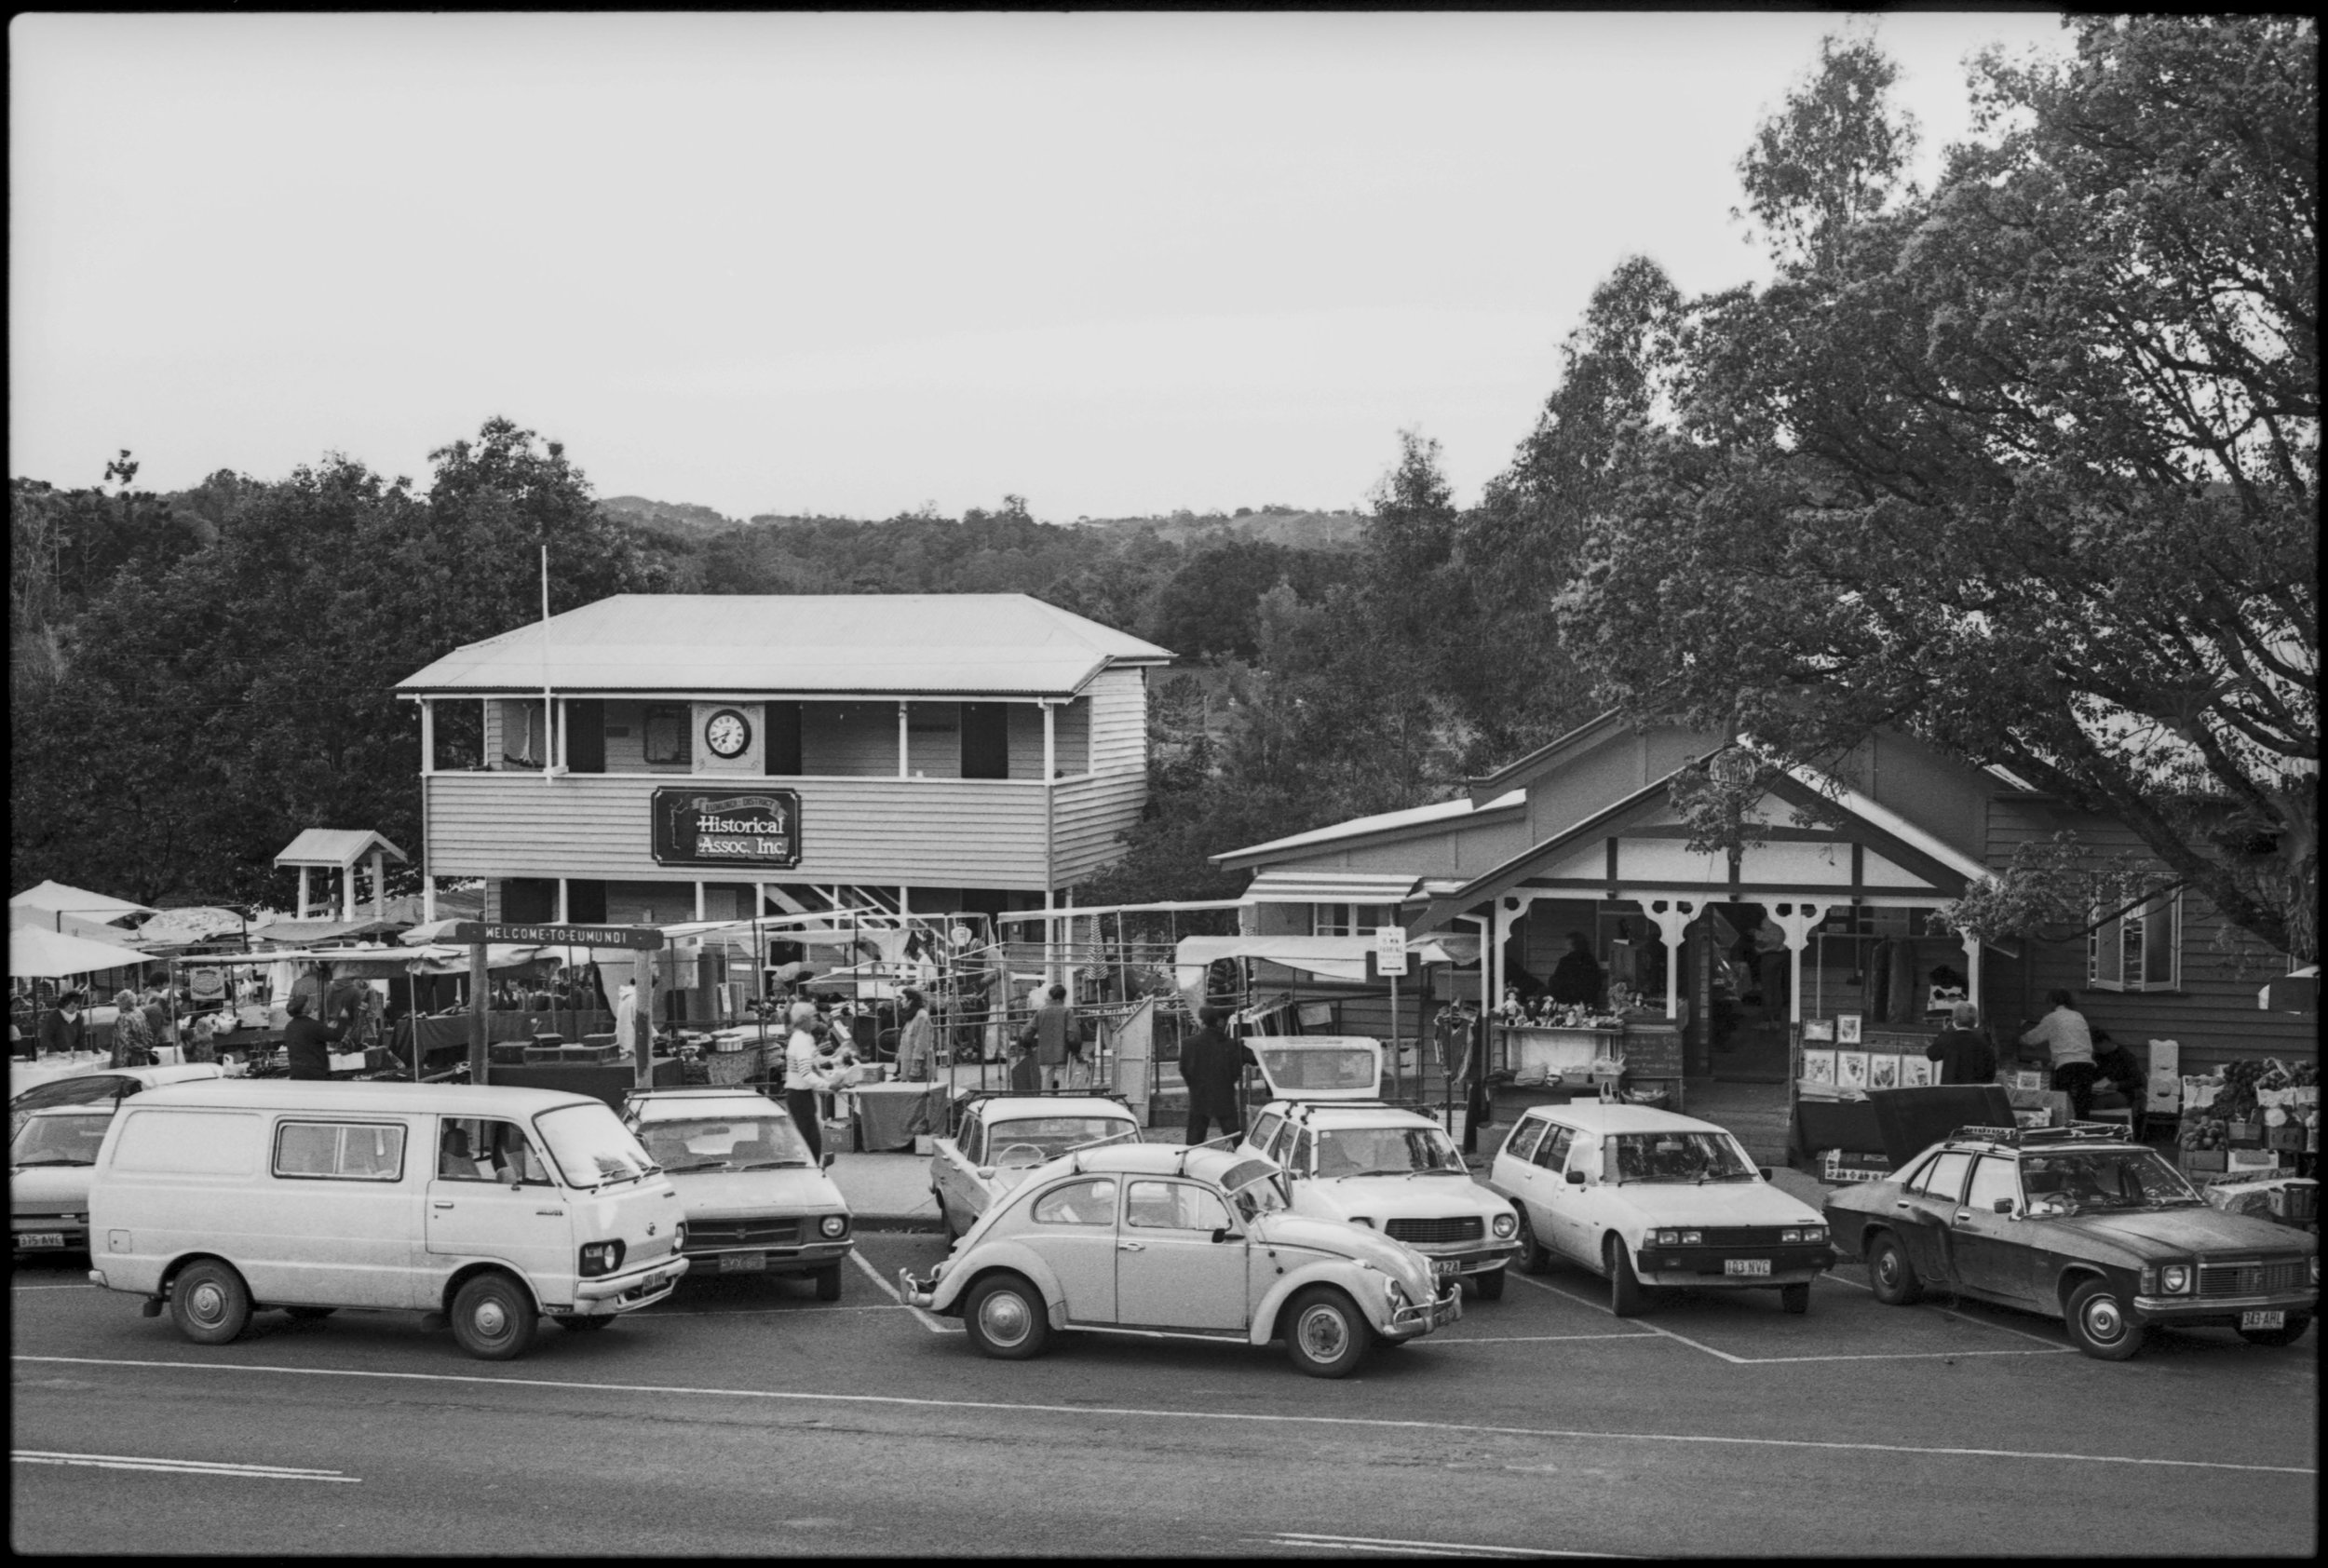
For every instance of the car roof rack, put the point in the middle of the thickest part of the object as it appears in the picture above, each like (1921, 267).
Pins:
(2037, 1137)
(971, 1096)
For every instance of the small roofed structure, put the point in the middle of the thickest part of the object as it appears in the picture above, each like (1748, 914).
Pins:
(341, 848)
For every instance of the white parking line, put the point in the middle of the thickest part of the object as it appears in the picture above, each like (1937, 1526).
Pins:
(1369, 1423)
(176, 1466)
(1668, 1333)
(1523, 1339)
(793, 1311)
(934, 1324)
(1422, 1549)
(83, 1285)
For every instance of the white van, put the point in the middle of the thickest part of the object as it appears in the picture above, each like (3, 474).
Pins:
(490, 1208)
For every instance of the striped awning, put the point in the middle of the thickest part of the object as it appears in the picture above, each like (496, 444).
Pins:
(1295, 886)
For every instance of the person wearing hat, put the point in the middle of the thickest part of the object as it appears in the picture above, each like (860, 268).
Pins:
(805, 1076)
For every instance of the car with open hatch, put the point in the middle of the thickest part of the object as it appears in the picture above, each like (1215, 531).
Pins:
(758, 1202)
(1647, 1197)
(484, 1208)
(1163, 1242)
(999, 1138)
(2080, 1223)
(1352, 1157)
(104, 1086)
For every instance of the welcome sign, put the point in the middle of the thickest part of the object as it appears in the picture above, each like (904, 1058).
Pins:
(749, 828)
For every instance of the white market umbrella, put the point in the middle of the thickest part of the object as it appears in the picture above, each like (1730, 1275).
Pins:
(37, 955)
(56, 895)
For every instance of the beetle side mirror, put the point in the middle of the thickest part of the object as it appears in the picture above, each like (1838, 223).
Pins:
(1224, 1233)
(824, 1162)
(1575, 1178)
(1764, 1171)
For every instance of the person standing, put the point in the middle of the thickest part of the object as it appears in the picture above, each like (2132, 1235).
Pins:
(63, 1029)
(133, 1042)
(914, 1040)
(1469, 1039)
(306, 1043)
(1963, 1050)
(805, 1077)
(1057, 1036)
(1576, 978)
(1211, 1064)
(2069, 1042)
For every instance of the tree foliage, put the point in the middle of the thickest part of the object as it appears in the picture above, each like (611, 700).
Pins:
(2028, 466)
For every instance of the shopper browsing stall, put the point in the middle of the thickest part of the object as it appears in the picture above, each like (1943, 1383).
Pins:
(2069, 1042)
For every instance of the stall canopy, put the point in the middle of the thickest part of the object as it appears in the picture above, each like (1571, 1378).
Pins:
(390, 963)
(37, 955)
(57, 896)
(199, 923)
(27, 917)
(1341, 958)
(303, 933)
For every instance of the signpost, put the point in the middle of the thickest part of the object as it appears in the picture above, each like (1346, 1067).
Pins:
(479, 933)
(1391, 962)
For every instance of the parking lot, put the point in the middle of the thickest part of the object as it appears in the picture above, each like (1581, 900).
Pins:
(743, 1406)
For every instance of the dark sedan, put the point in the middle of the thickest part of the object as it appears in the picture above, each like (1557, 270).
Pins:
(2087, 1227)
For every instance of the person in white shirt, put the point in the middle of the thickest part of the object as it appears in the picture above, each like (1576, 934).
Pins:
(805, 1075)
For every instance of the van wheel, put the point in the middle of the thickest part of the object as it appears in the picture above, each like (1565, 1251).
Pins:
(1624, 1286)
(584, 1325)
(828, 1280)
(310, 1314)
(210, 1302)
(1005, 1318)
(1325, 1333)
(494, 1318)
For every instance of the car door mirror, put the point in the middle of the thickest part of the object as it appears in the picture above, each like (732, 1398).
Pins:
(1575, 1178)
(824, 1162)
(1224, 1232)
(2003, 1206)
(1764, 1171)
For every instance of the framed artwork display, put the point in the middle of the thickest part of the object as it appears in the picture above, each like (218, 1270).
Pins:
(1883, 1071)
(1851, 1068)
(1847, 1029)
(1819, 1066)
(1916, 1072)
(1818, 1029)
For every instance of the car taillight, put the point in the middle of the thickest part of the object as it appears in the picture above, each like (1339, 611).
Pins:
(601, 1257)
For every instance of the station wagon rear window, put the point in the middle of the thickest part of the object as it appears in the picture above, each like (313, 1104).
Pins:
(340, 1150)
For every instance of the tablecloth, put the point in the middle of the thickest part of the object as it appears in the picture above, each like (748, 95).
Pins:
(889, 1115)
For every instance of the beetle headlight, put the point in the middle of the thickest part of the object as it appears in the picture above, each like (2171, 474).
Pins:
(1505, 1226)
(2175, 1278)
(835, 1225)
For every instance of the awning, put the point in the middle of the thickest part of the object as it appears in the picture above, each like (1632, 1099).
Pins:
(196, 924)
(300, 932)
(1341, 958)
(37, 955)
(32, 917)
(75, 901)
(385, 963)
(1294, 886)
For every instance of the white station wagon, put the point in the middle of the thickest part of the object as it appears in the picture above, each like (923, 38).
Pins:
(1355, 1159)
(1178, 1243)
(1648, 1197)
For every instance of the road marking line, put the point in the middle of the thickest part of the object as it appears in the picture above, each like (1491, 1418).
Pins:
(935, 1325)
(1908, 1356)
(176, 1466)
(1532, 1339)
(1446, 1548)
(1582, 1301)
(81, 1287)
(760, 1311)
(1251, 1417)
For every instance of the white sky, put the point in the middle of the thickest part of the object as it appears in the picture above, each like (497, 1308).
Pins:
(1117, 264)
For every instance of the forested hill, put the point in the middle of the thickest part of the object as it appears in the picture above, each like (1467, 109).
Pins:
(1293, 527)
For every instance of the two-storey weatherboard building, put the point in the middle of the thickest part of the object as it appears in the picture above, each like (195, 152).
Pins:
(655, 758)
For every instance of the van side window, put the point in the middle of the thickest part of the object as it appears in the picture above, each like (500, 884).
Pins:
(1553, 1155)
(340, 1150)
(473, 1149)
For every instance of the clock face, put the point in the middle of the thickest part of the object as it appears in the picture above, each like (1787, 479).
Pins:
(727, 733)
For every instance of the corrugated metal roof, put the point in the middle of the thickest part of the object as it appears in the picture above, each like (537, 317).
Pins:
(1383, 822)
(1295, 885)
(335, 846)
(797, 643)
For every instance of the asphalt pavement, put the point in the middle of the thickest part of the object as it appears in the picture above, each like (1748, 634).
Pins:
(743, 1416)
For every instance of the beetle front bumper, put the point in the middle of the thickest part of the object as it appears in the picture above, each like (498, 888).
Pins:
(916, 1292)
(1423, 1316)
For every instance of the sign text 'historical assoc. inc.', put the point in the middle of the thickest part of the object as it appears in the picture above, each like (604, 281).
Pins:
(727, 828)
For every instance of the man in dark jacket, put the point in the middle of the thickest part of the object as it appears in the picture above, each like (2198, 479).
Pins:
(308, 1044)
(1963, 1050)
(1576, 978)
(1210, 1064)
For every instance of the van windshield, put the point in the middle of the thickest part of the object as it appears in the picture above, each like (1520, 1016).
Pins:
(591, 1145)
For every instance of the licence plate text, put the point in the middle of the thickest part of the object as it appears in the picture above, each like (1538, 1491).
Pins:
(1746, 1266)
(46, 1238)
(743, 1263)
(2263, 1319)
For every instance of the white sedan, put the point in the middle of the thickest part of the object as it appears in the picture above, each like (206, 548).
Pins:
(1648, 1197)
(1001, 1137)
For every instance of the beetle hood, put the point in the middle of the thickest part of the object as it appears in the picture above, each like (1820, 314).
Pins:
(1394, 1258)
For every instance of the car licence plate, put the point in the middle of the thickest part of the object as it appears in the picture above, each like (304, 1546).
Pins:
(1444, 1269)
(743, 1263)
(2263, 1319)
(1746, 1266)
(52, 1239)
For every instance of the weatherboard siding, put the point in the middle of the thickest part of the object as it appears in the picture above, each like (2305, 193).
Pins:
(958, 833)
(1118, 702)
(1091, 816)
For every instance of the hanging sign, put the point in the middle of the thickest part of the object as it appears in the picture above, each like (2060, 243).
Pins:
(643, 937)
(740, 828)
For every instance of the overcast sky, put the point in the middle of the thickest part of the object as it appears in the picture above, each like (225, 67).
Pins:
(1116, 264)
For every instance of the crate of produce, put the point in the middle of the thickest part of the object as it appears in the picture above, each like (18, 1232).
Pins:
(2246, 1135)
(2205, 1159)
(2297, 1202)
(1853, 1165)
(2287, 1139)
(2252, 1159)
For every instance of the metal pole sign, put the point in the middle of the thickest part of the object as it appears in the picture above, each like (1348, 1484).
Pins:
(647, 938)
(1389, 950)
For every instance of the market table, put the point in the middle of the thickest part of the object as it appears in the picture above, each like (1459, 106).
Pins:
(889, 1115)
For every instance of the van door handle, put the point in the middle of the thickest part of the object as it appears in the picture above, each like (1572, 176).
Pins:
(1130, 1247)
(441, 1206)
(1904, 1207)
(1964, 1214)
(553, 1213)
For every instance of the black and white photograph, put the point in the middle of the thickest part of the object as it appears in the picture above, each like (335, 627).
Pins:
(1182, 783)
